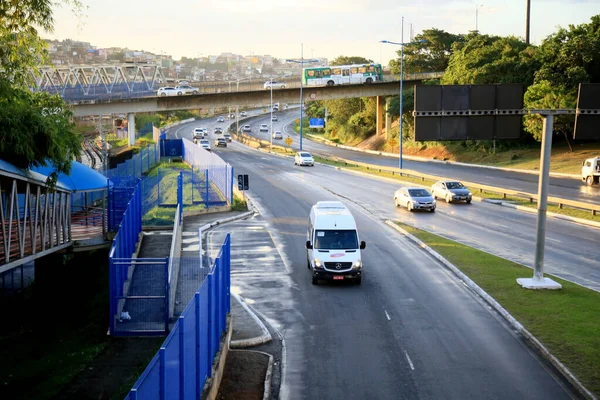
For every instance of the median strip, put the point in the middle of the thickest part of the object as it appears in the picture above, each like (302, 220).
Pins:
(565, 321)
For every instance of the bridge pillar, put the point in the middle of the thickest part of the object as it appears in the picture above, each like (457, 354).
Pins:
(131, 128)
(388, 119)
(379, 123)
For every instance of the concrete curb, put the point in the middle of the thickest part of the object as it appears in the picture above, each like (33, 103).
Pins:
(268, 376)
(425, 159)
(567, 374)
(242, 343)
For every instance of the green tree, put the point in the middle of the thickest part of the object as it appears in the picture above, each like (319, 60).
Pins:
(429, 52)
(35, 128)
(485, 59)
(344, 60)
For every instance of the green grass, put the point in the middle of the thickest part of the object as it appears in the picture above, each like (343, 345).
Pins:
(239, 204)
(565, 321)
(374, 170)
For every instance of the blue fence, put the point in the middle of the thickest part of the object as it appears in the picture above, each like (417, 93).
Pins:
(138, 164)
(220, 173)
(184, 362)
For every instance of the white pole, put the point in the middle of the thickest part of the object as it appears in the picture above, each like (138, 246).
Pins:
(301, 76)
(271, 147)
(401, 89)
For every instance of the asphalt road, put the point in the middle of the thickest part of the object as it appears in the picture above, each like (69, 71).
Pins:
(410, 331)
(567, 188)
(571, 249)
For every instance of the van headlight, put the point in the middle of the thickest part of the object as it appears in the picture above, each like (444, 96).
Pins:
(356, 264)
(318, 263)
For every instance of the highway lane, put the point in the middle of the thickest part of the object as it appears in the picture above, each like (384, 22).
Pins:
(567, 188)
(410, 331)
(570, 248)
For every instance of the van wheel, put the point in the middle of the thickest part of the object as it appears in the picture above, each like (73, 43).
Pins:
(448, 199)
(589, 180)
(396, 202)
(369, 81)
(330, 83)
(315, 281)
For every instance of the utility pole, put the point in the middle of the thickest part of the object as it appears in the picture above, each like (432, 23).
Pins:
(528, 21)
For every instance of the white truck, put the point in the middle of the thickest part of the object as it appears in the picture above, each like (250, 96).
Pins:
(590, 171)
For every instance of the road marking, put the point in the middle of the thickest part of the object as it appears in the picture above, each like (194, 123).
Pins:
(387, 315)
(554, 240)
(409, 361)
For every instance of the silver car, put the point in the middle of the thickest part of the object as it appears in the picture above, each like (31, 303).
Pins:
(414, 199)
(451, 191)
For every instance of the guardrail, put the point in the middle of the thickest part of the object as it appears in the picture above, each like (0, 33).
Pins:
(175, 253)
(477, 186)
(184, 363)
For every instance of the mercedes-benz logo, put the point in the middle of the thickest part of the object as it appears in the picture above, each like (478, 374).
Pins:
(338, 266)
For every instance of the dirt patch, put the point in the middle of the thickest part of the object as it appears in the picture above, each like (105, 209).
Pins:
(244, 376)
(114, 371)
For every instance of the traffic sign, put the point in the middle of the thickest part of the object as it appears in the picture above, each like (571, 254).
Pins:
(297, 121)
(313, 95)
(288, 141)
(243, 183)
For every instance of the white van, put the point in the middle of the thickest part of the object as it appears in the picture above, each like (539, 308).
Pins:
(332, 243)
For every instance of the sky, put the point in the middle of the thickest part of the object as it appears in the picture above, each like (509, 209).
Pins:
(281, 28)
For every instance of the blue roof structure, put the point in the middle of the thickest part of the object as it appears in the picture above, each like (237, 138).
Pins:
(81, 179)
(10, 170)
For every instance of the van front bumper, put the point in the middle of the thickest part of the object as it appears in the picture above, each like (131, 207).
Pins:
(326, 275)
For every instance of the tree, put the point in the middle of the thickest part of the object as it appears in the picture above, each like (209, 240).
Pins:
(344, 60)
(485, 59)
(567, 58)
(430, 52)
(35, 128)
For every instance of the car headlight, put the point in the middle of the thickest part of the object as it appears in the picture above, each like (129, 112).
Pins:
(318, 263)
(356, 264)
(469, 194)
(434, 201)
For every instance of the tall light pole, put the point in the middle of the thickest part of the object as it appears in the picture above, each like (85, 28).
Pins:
(271, 135)
(401, 95)
(528, 22)
(301, 62)
(477, 17)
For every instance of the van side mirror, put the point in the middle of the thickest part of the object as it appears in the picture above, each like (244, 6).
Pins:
(582, 163)
(308, 245)
(363, 244)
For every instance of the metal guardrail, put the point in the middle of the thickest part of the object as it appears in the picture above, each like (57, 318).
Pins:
(595, 209)
(175, 256)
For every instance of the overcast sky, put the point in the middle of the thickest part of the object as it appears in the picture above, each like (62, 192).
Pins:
(278, 27)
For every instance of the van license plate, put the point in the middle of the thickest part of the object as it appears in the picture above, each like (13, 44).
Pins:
(335, 278)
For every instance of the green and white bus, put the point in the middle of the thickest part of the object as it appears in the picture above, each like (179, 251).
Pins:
(342, 75)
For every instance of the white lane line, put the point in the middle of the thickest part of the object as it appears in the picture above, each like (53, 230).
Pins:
(409, 361)
(554, 240)
(387, 315)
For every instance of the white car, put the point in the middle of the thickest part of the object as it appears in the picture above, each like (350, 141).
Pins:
(277, 135)
(227, 137)
(274, 118)
(198, 133)
(414, 199)
(304, 158)
(274, 85)
(220, 119)
(243, 114)
(187, 89)
(168, 91)
(264, 128)
(246, 128)
(205, 144)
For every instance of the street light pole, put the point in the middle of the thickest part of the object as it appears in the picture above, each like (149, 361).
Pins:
(401, 89)
(301, 62)
(271, 146)
(477, 17)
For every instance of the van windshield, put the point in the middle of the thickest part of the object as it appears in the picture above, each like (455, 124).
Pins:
(336, 239)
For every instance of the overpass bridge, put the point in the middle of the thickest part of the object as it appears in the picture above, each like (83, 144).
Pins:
(255, 97)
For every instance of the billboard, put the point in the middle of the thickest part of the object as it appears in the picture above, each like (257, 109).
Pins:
(588, 111)
(317, 123)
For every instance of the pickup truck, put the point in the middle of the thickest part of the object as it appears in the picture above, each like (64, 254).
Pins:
(590, 171)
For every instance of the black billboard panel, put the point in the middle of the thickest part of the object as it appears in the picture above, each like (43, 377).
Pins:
(454, 128)
(508, 128)
(428, 128)
(587, 120)
(481, 128)
(479, 112)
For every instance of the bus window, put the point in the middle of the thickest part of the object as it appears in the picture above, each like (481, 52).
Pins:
(310, 73)
(345, 72)
(336, 71)
(353, 70)
(326, 72)
(371, 68)
(362, 70)
(318, 73)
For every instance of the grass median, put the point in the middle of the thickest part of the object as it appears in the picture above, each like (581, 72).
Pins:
(375, 170)
(565, 321)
